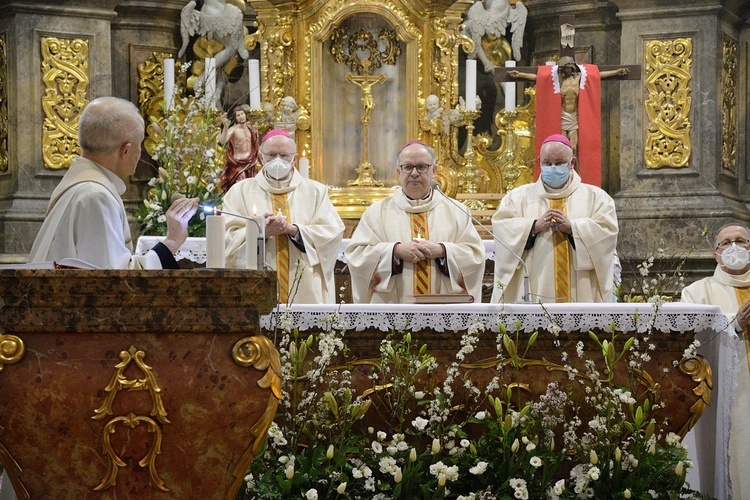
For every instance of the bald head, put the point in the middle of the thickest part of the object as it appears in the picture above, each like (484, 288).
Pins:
(107, 123)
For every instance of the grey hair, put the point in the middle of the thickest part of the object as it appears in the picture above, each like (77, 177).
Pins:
(107, 123)
(731, 224)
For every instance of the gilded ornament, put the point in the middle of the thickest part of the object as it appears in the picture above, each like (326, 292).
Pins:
(729, 106)
(698, 368)
(668, 75)
(65, 78)
(4, 160)
(12, 350)
(151, 86)
(258, 352)
(118, 383)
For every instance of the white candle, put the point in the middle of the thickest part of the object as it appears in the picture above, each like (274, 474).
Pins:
(253, 67)
(304, 166)
(254, 259)
(168, 83)
(210, 86)
(509, 89)
(215, 241)
(471, 84)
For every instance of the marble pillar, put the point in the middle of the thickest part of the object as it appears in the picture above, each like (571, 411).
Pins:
(668, 207)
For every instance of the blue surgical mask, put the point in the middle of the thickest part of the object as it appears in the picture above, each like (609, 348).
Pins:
(555, 175)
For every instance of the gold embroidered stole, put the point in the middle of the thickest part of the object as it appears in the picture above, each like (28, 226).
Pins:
(280, 205)
(422, 276)
(561, 255)
(743, 295)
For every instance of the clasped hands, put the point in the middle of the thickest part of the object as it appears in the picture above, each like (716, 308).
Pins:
(418, 250)
(553, 220)
(277, 224)
(743, 316)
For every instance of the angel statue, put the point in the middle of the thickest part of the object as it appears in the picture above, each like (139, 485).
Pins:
(492, 17)
(215, 20)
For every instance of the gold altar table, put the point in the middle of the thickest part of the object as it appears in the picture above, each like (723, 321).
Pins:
(134, 384)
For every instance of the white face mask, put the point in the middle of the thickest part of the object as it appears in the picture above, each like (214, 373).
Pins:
(277, 169)
(735, 257)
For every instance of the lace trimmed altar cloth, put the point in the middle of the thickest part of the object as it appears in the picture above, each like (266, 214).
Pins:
(707, 442)
(459, 317)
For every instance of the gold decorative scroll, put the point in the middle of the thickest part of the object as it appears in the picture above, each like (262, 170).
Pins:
(119, 383)
(729, 106)
(12, 350)
(65, 77)
(698, 368)
(668, 74)
(4, 161)
(258, 352)
(448, 41)
(151, 84)
(277, 67)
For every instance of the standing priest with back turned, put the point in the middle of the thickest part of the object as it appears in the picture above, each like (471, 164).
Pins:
(416, 241)
(560, 232)
(303, 229)
(86, 218)
(729, 288)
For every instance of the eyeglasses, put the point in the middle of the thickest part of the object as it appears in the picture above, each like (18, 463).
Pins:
(283, 156)
(741, 242)
(421, 168)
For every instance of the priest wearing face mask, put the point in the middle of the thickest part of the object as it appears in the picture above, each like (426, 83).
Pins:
(729, 288)
(560, 231)
(303, 229)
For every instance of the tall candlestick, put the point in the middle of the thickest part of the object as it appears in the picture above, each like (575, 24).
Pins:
(215, 241)
(304, 166)
(210, 85)
(471, 84)
(253, 67)
(168, 83)
(510, 89)
(255, 239)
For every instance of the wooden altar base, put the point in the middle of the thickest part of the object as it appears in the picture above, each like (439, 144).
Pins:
(134, 384)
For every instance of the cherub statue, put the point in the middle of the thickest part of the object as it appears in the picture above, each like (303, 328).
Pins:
(287, 117)
(493, 17)
(432, 121)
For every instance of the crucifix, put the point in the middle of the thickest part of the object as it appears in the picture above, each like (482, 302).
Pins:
(570, 95)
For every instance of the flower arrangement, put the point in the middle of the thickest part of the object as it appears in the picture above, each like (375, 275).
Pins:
(188, 159)
(425, 430)
(659, 277)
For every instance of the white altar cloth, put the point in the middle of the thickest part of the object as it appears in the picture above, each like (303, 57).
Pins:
(708, 441)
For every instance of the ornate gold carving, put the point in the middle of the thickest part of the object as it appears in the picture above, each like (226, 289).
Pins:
(729, 106)
(4, 160)
(277, 68)
(12, 350)
(346, 49)
(118, 383)
(65, 76)
(668, 75)
(698, 368)
(151, 84)
(258, 352)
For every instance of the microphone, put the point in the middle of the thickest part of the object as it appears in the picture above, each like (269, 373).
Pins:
(526, 293)
(261, 231)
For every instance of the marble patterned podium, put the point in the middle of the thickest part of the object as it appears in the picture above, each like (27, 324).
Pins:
(134, 384)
